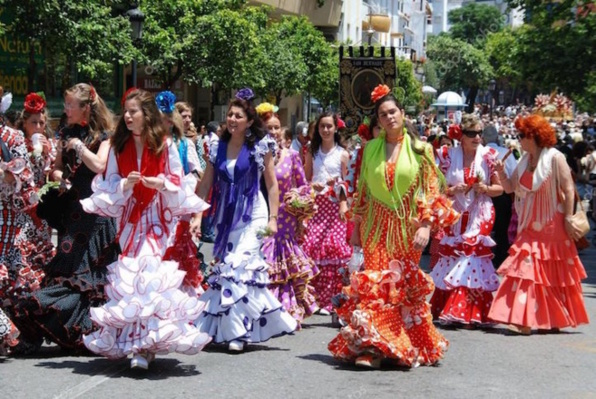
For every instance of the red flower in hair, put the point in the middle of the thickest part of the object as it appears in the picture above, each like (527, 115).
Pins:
(340, 123)
(454, 132)
(379, 92)
(34, 103)
(92, 93)
(126, 95)
(364, 132)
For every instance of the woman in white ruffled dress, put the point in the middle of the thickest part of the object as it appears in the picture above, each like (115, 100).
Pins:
(239, 307)
(144, 187)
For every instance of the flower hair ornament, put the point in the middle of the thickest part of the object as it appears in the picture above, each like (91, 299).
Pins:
(265, 108)
(34, 103)
(340, 123)
(92, 93)
(245, 94)
(126, 94)
(379, 92)
(166, 101)
(454, 132)
(364, 130)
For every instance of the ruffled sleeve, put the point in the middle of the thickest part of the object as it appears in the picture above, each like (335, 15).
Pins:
(433, 206)
(213, 146)
(21, 192)
(109, 196)
(266, 145)
(178, 194)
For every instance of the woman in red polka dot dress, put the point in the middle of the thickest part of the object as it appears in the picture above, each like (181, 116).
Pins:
(385, 309)
(326, 241)
(464, 275)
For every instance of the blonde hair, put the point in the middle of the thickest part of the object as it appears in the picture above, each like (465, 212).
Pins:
(24, 115)
(177, 124)
(182, 106)
(470, 121)
(101, 119)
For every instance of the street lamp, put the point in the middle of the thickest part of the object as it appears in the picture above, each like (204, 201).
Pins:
(136, 18)
(491, 88)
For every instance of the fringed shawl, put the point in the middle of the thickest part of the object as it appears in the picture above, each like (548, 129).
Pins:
(233, 196)
(396, 208)
(539, 203)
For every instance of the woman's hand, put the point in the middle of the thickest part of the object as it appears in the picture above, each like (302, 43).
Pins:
(458, 188)
(343, 209)
(46, 146)
(480, 188)
(574, 233)
(421, 238)
(71, 144)
(355, 238)
(499, 167)
(132, 179)
(272, 226)
(156, 183)
(195, 226)
(318, 187)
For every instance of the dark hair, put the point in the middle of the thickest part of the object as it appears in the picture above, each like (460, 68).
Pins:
(286, 133)
(257, 128)
(415, 142)
(154, 131)
(374, 121)
(316, 141)
(212, 127)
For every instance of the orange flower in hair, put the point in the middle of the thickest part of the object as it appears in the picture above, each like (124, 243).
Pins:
(379, 92)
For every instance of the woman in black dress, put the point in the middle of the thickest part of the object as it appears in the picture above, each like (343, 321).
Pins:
(76, 276)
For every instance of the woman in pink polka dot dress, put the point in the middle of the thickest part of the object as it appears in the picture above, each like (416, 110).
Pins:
(464, 275)
(326, 242)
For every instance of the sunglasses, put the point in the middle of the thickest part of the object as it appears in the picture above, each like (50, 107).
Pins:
(472, 133)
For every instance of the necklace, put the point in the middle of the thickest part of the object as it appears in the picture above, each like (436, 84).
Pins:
(394, 140)
(137, 135)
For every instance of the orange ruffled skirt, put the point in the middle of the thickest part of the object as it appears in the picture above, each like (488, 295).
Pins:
(541, 288)
(387, 314)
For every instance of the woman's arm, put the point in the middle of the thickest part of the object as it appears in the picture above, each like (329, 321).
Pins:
(308, 166)
(95, 162)
(272, 191)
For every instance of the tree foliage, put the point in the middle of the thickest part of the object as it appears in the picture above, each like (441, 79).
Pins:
(473, 22)
(93, 39)
(408, 88)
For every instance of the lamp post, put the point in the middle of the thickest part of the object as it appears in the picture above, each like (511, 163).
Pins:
(491, 88)
(136, 18)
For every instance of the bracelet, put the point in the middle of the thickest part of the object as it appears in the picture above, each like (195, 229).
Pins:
(273, 217)
(79, 148)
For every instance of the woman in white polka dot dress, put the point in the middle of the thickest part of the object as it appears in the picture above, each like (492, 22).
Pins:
(464, 275)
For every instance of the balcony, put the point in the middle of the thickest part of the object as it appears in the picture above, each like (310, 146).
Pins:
(327, 16)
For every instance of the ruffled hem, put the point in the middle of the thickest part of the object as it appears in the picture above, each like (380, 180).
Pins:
(238, 305)
(523, 303)
(387, 316)
(553, 264)
(462, 305)
(287, 262)
(466, 271)
(8, 332)
(479, 246)
(146, 311)
(297, 298)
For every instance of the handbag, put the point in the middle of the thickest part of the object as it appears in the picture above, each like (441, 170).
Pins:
(579, 219)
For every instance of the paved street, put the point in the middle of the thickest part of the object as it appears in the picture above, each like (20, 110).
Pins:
(479, 364)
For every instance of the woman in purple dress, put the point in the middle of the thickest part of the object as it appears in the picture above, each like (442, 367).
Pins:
(290, 269)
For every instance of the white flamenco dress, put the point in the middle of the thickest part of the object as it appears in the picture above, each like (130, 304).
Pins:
(239, 306)
(146, 312)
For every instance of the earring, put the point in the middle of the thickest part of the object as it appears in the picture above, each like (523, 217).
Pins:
(248, 133)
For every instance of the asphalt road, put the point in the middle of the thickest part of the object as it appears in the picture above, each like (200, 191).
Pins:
(479, 364)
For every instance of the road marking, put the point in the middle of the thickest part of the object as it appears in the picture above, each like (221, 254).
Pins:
(92, 382)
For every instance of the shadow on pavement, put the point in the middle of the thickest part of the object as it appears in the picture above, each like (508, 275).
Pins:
(223, 348)
(159, 369)
(346, 366)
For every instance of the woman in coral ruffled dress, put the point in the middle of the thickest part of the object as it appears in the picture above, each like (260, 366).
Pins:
(541, 289)
(385, 308)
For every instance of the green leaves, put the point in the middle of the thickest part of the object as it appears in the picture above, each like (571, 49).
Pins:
(473, 22)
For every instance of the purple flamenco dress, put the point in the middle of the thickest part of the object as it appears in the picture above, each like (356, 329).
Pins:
(290, 268)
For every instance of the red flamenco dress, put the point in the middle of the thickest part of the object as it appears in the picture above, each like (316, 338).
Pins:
(385, 310)
(541, 287)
